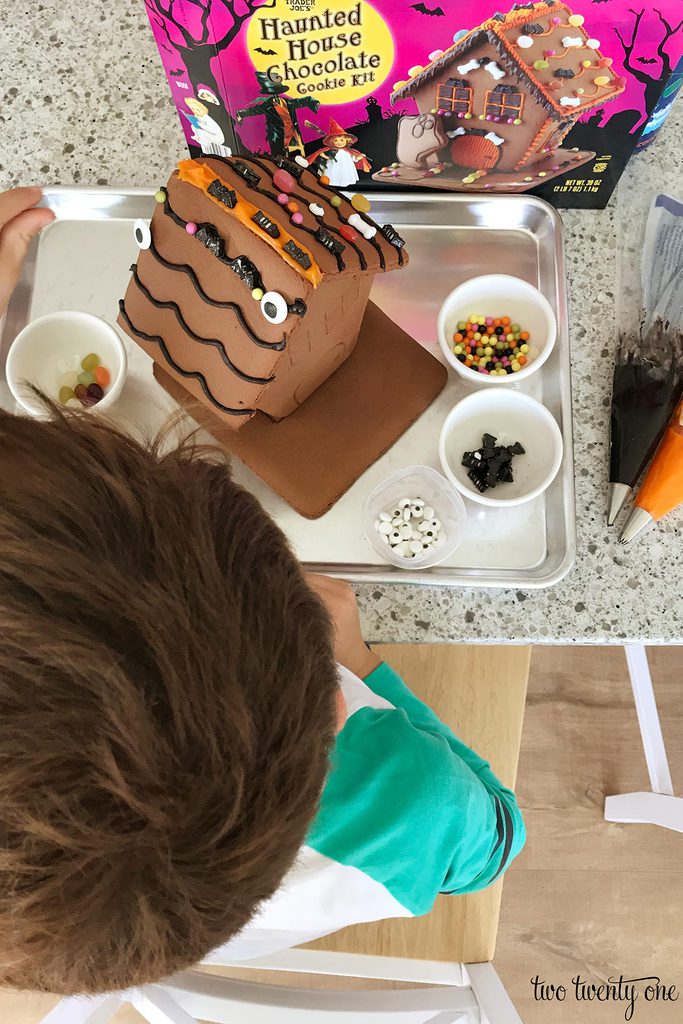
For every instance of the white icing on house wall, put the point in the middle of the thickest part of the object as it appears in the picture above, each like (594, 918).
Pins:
(493, 69)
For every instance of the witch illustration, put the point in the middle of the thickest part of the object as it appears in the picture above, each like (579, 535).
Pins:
(206, 132)
(283, 134)
(337, 159)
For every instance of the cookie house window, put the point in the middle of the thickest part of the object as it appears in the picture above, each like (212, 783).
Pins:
(454, 97)
(505, 102)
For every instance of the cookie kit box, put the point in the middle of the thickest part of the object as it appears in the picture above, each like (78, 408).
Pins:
(545, 97)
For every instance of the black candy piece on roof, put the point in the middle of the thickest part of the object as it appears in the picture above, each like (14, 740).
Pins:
(266, 224)
(392, 236)
(301, 257)
(498, 16)
(296, 170)
(534, 29)
(333, 244)
(209, 237)
(564, 73)
(226, 195)
(246, 271)
(246, 172)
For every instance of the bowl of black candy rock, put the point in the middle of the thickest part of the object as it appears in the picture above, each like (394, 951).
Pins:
(496, 330)
(500, 448)
(414, 518)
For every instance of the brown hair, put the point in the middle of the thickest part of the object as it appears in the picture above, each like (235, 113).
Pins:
(167, 706)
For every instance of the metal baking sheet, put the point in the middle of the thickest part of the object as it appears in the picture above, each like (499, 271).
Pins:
(81, 262)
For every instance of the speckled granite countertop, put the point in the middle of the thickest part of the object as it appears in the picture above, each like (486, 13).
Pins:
(85, 101)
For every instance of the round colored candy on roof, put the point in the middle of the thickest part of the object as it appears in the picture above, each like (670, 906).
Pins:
(593, 44)
(541, 65)
(601, 80)
(283, 181)
(586, 63)
(160, 196)
(605, 62)
(415, 70)
(525, 42)
(324, 180)
(283, 199)
(399, 85)
(435, 54)
(460, 34)
(335, 201)
(348, 233)
(575, 20)
(360, 202)
(297, 218)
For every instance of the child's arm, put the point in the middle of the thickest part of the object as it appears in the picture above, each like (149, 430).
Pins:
(510, 831)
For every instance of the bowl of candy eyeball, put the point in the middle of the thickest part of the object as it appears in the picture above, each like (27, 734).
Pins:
(414, 518)
(500, 448)
(74, 358)
(496, 330)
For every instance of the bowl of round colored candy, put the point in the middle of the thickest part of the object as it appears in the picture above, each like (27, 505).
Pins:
(500, 448)
(75, 358)
(496, 329)
(414, 518)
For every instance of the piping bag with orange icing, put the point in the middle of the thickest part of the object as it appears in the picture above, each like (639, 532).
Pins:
(662, 488)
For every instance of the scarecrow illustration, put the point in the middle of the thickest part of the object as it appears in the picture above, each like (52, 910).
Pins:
(283, 134)
(336, 159)
(206, 132)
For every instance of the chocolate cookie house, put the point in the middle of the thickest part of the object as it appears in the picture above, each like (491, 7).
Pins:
(252, 283)
(506, 94)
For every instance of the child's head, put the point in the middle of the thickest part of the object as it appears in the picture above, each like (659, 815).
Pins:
(167, 706)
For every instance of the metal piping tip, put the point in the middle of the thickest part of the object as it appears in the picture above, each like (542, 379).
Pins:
(618, 496)
(637, 522)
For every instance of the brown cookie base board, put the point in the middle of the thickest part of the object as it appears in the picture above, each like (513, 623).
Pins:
(562, 161)
(314, 455)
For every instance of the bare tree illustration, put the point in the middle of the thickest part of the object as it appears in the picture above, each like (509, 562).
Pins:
(197, 50)
(652, 85)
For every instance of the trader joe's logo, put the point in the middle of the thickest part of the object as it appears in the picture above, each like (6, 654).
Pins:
(336, 52)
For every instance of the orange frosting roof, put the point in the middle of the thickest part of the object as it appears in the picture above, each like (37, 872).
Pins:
(201, 176)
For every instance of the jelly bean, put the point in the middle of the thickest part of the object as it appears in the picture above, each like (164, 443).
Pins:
(95, 393)
(283, 181)
(65, 394)
(90, 361)
(360, 202)
(347, 232)
(81, 393)
(102, 376)
(86, 377)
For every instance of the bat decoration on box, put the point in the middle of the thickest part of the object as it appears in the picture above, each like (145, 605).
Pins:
(646, 60)
(266, 53)
(434, 12)
(176, 73)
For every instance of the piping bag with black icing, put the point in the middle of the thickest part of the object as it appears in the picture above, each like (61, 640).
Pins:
(662, 488)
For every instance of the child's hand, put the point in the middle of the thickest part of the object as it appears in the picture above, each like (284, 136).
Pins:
(349, 647)
(19, 222)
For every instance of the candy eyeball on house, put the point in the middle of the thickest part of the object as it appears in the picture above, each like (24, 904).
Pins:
(142, 234)
(274, 308)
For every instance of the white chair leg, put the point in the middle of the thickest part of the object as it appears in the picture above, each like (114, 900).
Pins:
(646, 809)
(494, 1002)
(660, 807)
(157, 1007)
(84, 1010)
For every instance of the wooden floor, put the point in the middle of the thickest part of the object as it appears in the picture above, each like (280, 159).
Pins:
(586, 897)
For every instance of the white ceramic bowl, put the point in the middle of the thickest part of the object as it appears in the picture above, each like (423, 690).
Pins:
(499, 295)
(53, 345)
(417, 482)
(510, 416)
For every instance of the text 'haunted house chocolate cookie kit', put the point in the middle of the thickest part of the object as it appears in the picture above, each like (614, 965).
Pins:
(544, 97)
